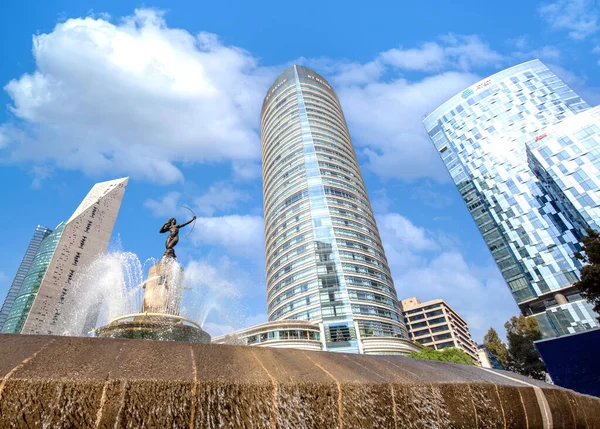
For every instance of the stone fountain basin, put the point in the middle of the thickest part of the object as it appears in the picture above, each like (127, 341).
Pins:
(67, 382)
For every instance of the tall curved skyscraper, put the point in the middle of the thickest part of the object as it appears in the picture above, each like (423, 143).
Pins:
(324, 257)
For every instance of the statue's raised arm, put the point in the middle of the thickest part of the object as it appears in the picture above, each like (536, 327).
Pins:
(187, 223)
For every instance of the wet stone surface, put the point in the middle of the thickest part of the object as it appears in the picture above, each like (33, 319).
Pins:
(64, 382)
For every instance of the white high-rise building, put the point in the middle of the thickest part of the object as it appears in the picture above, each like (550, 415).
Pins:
(74, 244)
(324, 257)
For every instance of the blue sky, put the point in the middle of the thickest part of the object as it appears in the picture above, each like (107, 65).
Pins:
(169, 93)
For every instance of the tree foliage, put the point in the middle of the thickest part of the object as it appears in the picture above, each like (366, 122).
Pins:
(522, 356)
(494, 344)
(449, 354)
(589, 285)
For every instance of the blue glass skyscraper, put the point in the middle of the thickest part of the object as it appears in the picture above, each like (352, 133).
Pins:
(39, 234)
(481, 135)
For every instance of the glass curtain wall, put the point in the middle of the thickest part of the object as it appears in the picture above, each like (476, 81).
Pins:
(481, 136)
(31, 282)
(40, 233)
(325, 260)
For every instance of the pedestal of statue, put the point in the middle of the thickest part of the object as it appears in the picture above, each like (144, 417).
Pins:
(163, 288)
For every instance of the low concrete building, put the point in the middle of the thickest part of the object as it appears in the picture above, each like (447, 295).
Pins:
(435, 324)
(295, 334)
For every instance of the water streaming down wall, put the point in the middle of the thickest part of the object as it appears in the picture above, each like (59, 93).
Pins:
(177, 384)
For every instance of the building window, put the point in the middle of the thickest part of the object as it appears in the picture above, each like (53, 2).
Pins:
(442, 336)
(437, 320)
(434, 313)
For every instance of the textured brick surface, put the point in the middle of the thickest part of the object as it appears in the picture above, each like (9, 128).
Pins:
(62, 382)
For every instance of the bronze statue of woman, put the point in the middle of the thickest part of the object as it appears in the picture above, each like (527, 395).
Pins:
(173, 229)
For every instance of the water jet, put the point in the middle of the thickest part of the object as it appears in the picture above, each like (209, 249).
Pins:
(159, 318)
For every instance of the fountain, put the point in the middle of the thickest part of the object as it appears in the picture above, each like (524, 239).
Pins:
(159, 316)
(69, 381)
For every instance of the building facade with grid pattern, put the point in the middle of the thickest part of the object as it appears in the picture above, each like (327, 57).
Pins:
(324, 257)
(482, 135)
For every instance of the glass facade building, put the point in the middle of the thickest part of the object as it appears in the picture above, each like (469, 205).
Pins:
(566, 160)
(39, 234)
(482, 135)
(32, 282)
(324, 257)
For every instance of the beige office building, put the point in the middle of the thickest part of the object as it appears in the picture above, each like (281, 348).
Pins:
(435, 324)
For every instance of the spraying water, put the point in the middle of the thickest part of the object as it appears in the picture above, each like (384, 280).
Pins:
(113, 286)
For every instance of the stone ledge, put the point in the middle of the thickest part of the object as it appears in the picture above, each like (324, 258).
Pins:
(69, 382)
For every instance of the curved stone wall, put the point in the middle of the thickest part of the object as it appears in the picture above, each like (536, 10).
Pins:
(64, 382)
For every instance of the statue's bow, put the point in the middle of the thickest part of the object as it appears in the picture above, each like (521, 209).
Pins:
(194, 225)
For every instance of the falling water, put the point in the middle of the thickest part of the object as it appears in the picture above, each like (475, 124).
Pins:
(109, 287)
(113, 286)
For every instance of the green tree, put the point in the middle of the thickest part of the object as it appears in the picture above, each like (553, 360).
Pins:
(522, 357)
(494, 344)
(449, 354)
(589, 285)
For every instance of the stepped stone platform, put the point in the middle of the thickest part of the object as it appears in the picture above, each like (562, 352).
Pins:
(68, 382)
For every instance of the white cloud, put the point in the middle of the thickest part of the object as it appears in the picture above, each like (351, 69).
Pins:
(452, 52)
(246, 170)
(385, 121)
(429, 266)
(526, 50)
(241, 235)
(400, 231)
(39, 173)
(165, 206)
(579, 17)
(428, 195)
(202, 274)
(219, 196)
(355, 73)
(139, 99)
(380, 201)
(144, 99)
